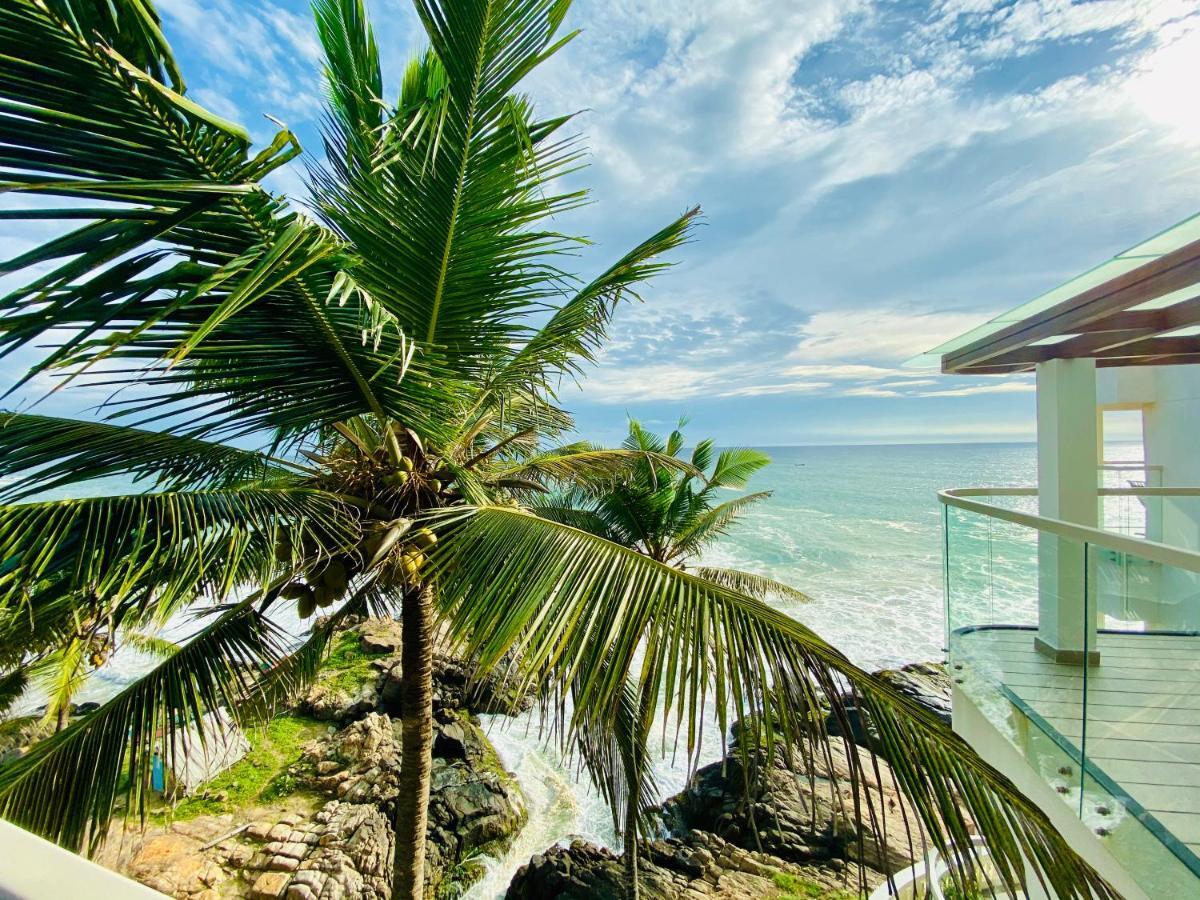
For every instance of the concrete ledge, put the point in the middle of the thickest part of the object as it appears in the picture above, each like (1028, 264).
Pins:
(32, 868)
(1066, 657)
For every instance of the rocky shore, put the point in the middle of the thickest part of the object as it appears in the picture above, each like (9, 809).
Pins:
(307, 814)
(775, 833)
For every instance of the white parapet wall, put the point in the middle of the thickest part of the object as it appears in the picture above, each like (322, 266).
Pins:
(35, 869)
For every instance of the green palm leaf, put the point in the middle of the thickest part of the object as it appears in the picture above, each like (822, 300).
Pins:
(757, 586)
(578, 328)
(42, 453)
(12, 686)
(66, 787)
(580, 612)
(734, 467)
(710, 524)
(158, 550)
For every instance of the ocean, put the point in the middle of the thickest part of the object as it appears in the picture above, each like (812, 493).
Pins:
(858, 528)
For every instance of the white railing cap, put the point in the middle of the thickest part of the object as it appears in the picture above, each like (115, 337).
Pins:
(1166, 554)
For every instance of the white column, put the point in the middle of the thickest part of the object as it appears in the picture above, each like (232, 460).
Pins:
(1067, 477)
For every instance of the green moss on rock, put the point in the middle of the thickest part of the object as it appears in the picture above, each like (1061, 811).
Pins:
(266, 774)
(794, 887)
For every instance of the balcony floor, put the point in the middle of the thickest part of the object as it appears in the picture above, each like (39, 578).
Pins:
(1143, 724)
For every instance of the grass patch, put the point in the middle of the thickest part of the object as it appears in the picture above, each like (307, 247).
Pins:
(348, 667)
(794, 887)
(261, 776)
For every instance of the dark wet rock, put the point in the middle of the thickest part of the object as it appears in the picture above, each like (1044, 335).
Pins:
(802, 816)
(700, 865)
(474, 805)
(927, 683)
(336, 702)
(456, 685)
(380, 636)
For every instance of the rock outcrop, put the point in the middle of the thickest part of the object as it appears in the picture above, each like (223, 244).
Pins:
(699, 866)
(766, 832)
(805, 816)
(331, 836)
(474, 805)
(927, 683)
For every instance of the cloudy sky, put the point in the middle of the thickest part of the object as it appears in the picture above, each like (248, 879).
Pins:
(875, 176)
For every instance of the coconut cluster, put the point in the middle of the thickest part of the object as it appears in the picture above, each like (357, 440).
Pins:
(395, 490)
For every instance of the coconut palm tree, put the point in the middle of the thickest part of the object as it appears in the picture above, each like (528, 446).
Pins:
(349, 410)
(669, 515)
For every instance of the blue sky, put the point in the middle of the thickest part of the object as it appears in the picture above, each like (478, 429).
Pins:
(876, 177)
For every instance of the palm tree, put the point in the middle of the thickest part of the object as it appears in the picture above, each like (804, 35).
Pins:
(302, 398)
(669, 515)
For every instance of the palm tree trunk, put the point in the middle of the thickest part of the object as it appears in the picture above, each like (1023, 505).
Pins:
(63, 717)
(416, 744)
(632, 889)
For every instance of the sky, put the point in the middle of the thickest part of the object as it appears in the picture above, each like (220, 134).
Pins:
(876, 177)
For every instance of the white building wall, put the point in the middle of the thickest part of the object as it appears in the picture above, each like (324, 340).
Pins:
(1169, 398)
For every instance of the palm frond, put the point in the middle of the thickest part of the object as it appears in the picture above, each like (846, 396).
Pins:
(734, 467)
(619, 763)
(445, 221)
(157, 551)
(12, 686)
(711, 523)
(150, 644)
(66, 787)
(586, 463)
(583, 615)
(578, 328)
(190, 262)
(42, 453)
(60, 675)
(758, 586)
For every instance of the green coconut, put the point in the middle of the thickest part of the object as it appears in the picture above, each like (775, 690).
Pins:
(335, 577)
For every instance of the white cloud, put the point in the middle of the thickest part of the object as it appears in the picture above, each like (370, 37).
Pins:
(843, 337)
(786, 387)
(1004, 387)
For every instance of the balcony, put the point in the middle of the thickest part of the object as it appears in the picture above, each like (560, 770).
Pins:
(1075, 653)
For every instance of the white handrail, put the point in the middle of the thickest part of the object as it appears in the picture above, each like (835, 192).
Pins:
(1154, 551)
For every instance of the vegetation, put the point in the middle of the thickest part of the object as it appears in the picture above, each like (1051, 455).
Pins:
(347, 667)
(355, 413)
(669, 514)
(260, 777)
(793, 887)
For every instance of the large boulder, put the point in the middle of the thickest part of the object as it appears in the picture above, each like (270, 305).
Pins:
(344, 851)
(456, 685)
(927, 683)
(803, 816)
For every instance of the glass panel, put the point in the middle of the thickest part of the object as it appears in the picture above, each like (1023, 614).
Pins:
(1141, 734)
(1134, 516)
(1000, 602)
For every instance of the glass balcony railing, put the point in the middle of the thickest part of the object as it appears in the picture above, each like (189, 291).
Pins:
(1081, 647)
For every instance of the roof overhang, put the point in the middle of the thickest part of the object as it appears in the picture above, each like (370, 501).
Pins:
(1140, 308)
